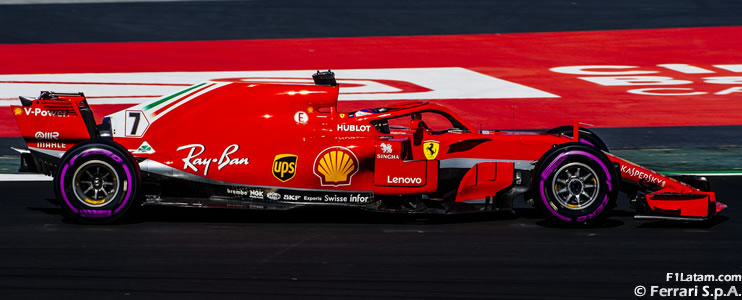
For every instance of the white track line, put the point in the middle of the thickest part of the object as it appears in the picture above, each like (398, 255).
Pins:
(24, 177)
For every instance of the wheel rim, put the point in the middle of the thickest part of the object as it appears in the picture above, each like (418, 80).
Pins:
(96, 183)
(575, 186)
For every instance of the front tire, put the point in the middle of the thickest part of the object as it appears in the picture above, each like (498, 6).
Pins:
(575, 183)
(96, 182)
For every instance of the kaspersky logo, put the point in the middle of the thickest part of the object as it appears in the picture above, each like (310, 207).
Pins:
(335, 166)
(284, 167)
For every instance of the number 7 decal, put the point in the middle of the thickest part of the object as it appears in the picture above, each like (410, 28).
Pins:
(134, 115)
(136, 123)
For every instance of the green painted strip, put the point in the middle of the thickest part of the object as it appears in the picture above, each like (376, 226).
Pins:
(158, 102)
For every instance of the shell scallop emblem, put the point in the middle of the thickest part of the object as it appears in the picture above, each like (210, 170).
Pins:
(335, 166)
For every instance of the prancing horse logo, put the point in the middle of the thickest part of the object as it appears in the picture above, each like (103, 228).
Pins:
(431, 149)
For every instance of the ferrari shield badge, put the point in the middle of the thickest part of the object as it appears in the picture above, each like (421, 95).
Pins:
(431, 149)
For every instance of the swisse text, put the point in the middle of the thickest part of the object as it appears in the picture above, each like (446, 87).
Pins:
(354, 128)
(192, 161)
(44, 113)
(353, 198)
(404, 180)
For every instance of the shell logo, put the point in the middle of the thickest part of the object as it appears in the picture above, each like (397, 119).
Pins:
(335, 166)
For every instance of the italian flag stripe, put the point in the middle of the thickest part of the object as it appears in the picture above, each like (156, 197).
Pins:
(164, 108)
(158, 102)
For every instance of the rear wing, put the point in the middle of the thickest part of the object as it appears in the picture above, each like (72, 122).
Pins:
(51, 124)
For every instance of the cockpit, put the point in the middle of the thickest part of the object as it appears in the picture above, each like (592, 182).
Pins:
(431, 121)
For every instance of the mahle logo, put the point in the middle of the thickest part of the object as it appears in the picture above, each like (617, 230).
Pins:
(284, 167)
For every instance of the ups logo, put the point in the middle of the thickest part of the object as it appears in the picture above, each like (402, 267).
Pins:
(284, 167)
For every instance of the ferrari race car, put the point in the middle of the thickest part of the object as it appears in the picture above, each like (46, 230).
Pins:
(240, 144)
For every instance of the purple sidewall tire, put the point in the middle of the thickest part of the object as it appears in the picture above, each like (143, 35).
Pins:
(126, 173)
(590, 157)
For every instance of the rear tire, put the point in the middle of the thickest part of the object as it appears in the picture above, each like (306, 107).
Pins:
(96, 182)
(575, 183)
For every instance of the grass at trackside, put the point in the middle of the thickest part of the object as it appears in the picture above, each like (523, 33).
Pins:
(9, 164)
(722, 160)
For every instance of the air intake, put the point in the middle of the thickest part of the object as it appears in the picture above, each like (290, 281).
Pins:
(324, 78)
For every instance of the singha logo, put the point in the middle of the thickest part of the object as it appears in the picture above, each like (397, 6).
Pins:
(386, 148)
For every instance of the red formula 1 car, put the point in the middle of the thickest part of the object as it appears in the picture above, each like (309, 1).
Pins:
(277, 146)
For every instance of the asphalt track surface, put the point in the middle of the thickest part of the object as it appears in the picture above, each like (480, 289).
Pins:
(347, 254)
(170, 253)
